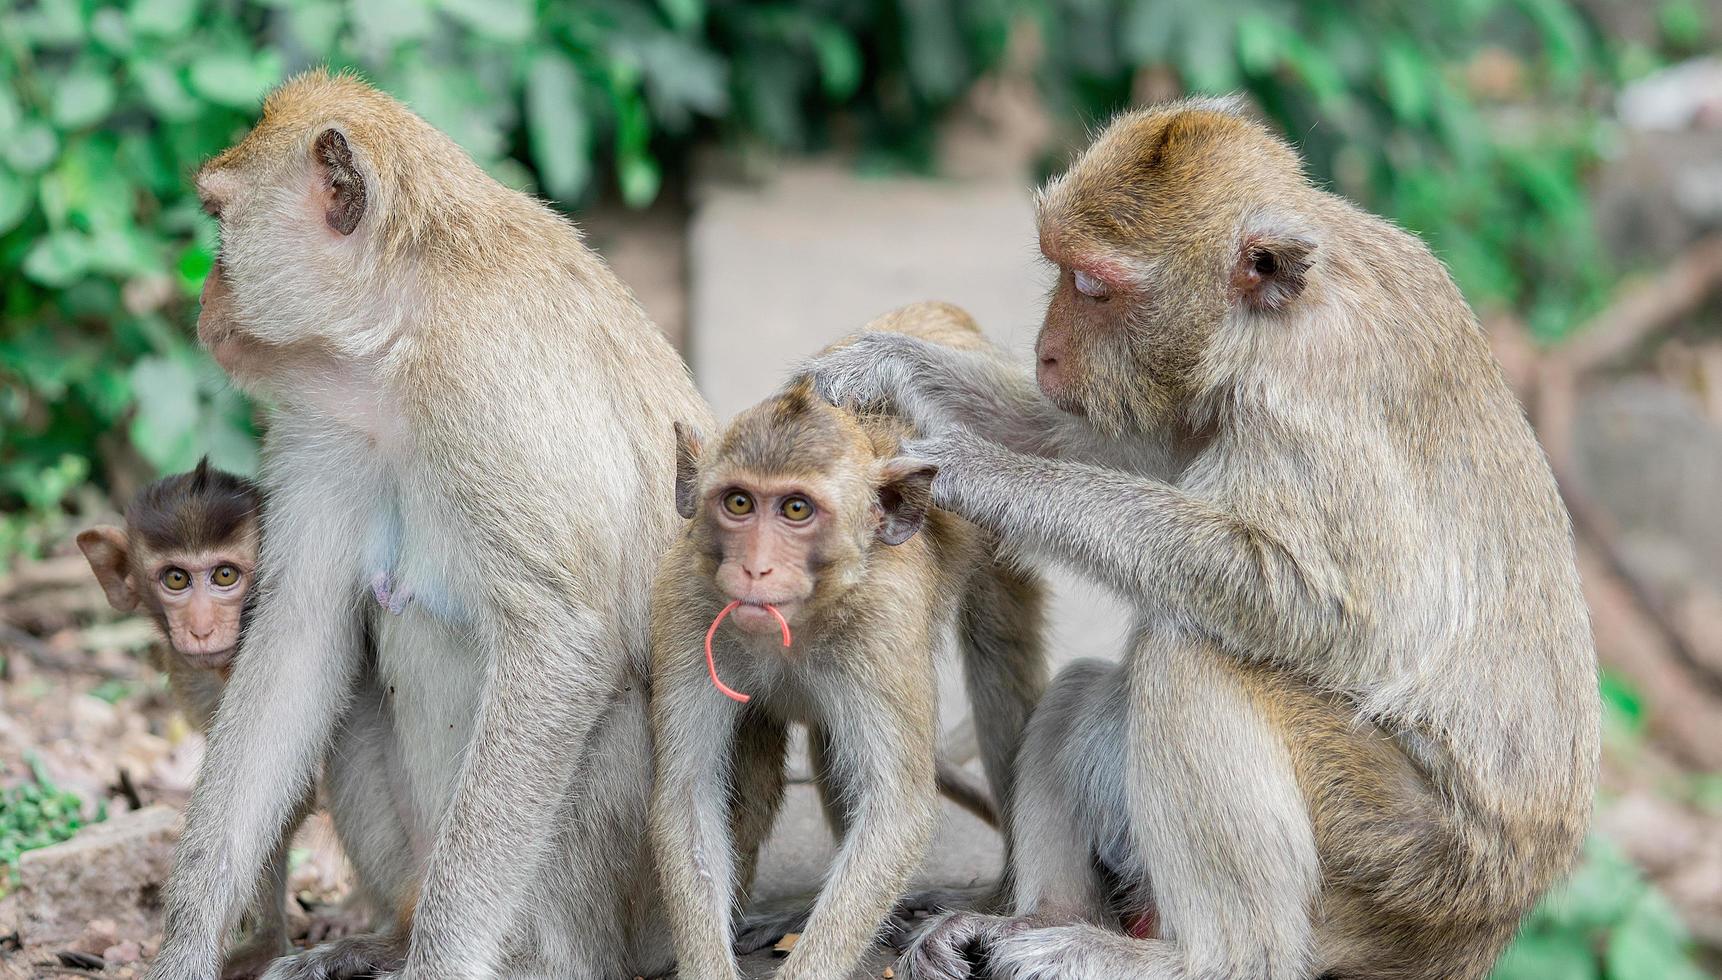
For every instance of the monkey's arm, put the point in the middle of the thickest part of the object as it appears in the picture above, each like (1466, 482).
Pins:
(291, 682)
(1199, 562)
(937, 388)
(694, 742)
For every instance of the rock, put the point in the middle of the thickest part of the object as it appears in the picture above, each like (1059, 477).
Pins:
(121, 954)
(111, 874)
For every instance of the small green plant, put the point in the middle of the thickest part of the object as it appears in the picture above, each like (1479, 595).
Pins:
(1605, 923)
(36, 813)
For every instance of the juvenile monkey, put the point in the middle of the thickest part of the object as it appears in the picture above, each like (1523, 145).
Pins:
(461, 398)
(804, 519)
(187, 554)
(1355, 731)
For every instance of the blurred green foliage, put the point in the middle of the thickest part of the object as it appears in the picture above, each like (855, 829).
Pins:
(1470, 122)
(1603, 923)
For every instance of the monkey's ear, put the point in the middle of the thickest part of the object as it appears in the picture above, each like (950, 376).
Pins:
(905, 494)
(1271, 270)
(105, 548)
(689, 444)
(343, 182)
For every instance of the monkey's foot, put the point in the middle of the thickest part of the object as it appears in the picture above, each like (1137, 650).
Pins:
(249, 961)
(759, 929)
(913, 910)
(956, 945)
(340, 922)
(389, 595)
(344, 959)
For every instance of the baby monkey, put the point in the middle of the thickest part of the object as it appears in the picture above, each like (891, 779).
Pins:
(187, 556)
(805, 519)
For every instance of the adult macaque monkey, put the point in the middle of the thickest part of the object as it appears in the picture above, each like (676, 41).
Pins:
(187, 555)
(1355, 731)
(463, 405)
(803, 517)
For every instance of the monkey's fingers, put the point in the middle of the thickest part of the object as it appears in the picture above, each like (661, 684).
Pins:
(952, 946)
(370, 955)
(761, 928)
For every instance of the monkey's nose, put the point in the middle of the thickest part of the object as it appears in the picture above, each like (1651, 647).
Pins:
(759, 574)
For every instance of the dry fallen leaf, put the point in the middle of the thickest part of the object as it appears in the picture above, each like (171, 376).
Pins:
(786, 944)
(888, 974)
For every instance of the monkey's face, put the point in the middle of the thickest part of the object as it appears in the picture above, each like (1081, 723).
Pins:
(1167, 251)
(790, 504)
(201, 601)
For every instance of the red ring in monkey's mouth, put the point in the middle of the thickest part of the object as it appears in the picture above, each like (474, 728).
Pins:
(711, 663)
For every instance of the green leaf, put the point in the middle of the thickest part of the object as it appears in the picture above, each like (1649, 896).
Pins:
(560, 133)
(167, 416)
(1621, 701)
(82, 98)
(32, 148)
(683, 15)
(15, 201)
(163, 91)
(1542, 957)
(1650, 944)
(59, 259)
(1405, 81)
(1259, 48)
(839, 61)
(639, 178)
(163, 18)
(235, 79)
(499, 20)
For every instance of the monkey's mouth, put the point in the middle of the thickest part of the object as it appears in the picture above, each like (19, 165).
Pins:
(205, 659)
(752, 616)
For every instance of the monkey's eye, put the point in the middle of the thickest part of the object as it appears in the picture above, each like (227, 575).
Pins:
(225, 576)
(798, 509)
(1089, 286)
(1265, 263)
(738, 502)
(175, 579)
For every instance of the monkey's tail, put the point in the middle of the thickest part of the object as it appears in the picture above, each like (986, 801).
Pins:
(965, 790)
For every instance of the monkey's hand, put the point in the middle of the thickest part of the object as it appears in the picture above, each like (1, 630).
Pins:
(874, 371)
(953, 945)
(967, 468)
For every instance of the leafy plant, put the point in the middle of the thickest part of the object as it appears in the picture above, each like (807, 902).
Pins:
(1605, 923)
(35, 814)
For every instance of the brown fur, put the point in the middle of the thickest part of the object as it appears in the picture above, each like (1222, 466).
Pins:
(1355, 732)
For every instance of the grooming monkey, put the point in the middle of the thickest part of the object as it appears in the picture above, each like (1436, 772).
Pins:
(461, 396)
(1355, 733)
(187, 554)
(803, 517)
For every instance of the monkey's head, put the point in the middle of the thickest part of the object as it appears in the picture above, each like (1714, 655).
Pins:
(791, 500)
(187, 555)
(309, 205)
(1176, 234)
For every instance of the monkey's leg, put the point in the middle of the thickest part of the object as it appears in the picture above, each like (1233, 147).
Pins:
(361, 780)
(1212, 809)
(756, 792)
(892, 804)
(597, 912)
(693, 729)
(302, 655)
(764, 924)
(264, 923)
